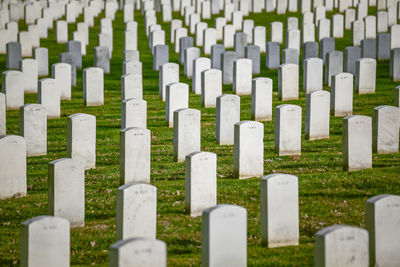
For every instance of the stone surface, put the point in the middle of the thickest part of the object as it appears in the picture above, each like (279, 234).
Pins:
(273, 55)
(385, 129)
(327, 46)
(383, 219)
(13, 88)
(41, 54)
(191, 53)
(29, 69)
(342, 94)
(227, 60)
(49, 97)
(93, 86)
(131, 86)
(13, 166)
(199, 65)
(312, 74)
(68, 58)
(134, 155)
(132, 67)
(279, 210)
(138, 252)
(261, 99)
(200, 182)
(136, 211)
(81, 139)
(242, 75)
(290, 56)
(3, 121)
(211, 87)
(45, 241)
(216, 60)
(365, 75)
(187, 133)
(317, 115)
(341, 245)
(177, 97)
(14, 55)
(252, 52)
(102, 58)
(310, 50)
(351, 55)
(227, 115)
(33, 127)
(259, 37)
(66, 195)
(333, 66)
(383, 46)
(248, 149)
(287, 133)
(161, 56)
(239, 44)
(74, 47)
(224, 236)
(288, 82)
(133, 113)
(169, 73)
(368, 48)
(357, 142)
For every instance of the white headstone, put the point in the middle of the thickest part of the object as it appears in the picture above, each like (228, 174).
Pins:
(133, 113)
(177, 97)
(317, 115)
(13, 88)
(33, 127)
(169, 73)
(242, 75)
(342, 94)
(131, 86)
(261, 99)
(287, 139)
(365, 75)
(385, 129)
(49, 97)
(227, 115)
(211, 87)
(61, 72)
(288, 81)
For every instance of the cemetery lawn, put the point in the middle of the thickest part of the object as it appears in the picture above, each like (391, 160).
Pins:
(327, 194)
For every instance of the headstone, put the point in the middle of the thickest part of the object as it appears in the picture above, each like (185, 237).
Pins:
(261, 99)
(2, 115)
(49, 97)
(191, 54)
(288, 82)
(324, 28)
(312, 76)
(290, 56)
(317, 115)
(219, 26)
(187, 130)
(252, 52)
(13, 88)
(310, 50)
(66, 196)
(131, 86)
(199, 30)
(45, 241)
(327, 46)
(333, 66)
(368, 48)
(382, 21)
(67, 57)
(279, 210)
(132, 67)
(342, 94)
(136, 211)
(144, 252)
(394, 64)
(177, 97)
(228, 58)
(29, 68)
(175, 24)
(133, 113)
(74, 47)
(102, 58)
(211, 87)
(161, 56)
(248, 26)
(383, 218)
(273, 55)
(93, 86)
(199, 65)
(395, 36)
(287, 139)
(383, 46)
(341, 245)
(130, 40)
(13, 166)
(338, 26)
(248, 149)
(224, 236)
(385, 129)
(351, 55)
(13, 55)
(33, 127)
(276, 32)
(169, 73)
(61, 72)
(228, 36)
(209, 39)
(242, 75)
(227, 115)
(42, 57)
(358, 31)
(370, 27)
(62, 32)
(200, 182)
(240, 42)
(131, 55)
(179, 33)
(216, 51)
(81, 139)
(134, 155)
(357, 142)
(365, 75)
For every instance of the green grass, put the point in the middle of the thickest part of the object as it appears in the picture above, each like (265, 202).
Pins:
(327, 195)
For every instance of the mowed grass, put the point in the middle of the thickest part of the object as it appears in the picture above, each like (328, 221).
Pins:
(327, 194)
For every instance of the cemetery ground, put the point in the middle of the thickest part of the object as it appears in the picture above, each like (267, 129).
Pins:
(327, 194)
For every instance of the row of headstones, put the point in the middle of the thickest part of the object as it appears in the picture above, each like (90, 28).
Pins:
(224, 228)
